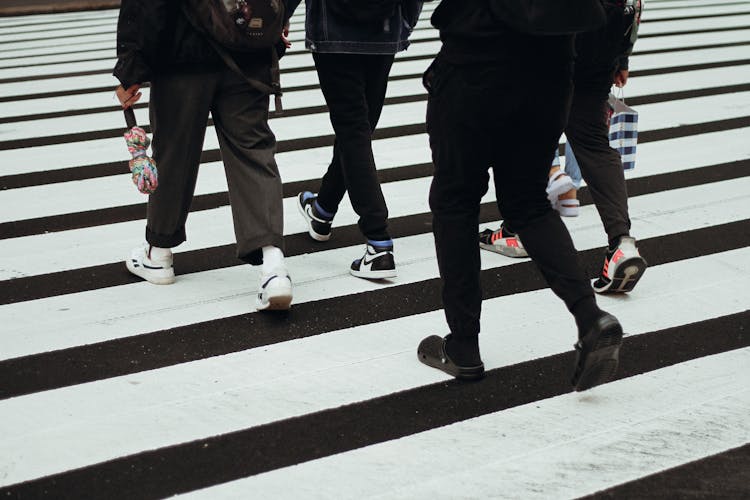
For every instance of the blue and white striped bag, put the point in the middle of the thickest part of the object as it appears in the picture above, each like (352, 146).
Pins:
(623, 130)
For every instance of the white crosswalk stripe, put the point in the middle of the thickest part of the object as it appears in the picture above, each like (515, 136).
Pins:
(114, 388)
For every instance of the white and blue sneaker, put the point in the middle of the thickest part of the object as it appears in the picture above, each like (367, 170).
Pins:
(275, 291)
(377, 263)
(158, 271)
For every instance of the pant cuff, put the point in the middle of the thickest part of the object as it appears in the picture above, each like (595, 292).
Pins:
(251, 252)
(165, 240)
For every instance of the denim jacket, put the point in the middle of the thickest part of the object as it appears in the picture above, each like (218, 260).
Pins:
(325, 33)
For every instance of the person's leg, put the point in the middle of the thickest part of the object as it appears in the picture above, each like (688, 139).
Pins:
(521, 170)
(459, 139)
(533, 134)
(601, 167)
(248, 145)
(178, 110)
(587, 131)
(571, 166)
(178, 114)
(343, 80)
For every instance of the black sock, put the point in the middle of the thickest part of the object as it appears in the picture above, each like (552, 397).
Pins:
(586, 312)
(464, 351)
(505, 227)
(614, 243)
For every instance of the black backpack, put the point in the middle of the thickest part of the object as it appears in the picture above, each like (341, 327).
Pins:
(241, 26)
(549, 17)
(362, 11)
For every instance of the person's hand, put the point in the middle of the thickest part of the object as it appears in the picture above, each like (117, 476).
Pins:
(128, 97)
(621, 78)
(285, 36)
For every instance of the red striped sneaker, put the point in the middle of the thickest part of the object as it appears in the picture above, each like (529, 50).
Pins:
(503, 242)
(623, 267)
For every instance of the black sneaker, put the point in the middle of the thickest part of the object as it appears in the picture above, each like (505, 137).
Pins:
(318, 226)
(377, 263)
(431, 351)
(503, 242)
(597, 353)
(623, 267)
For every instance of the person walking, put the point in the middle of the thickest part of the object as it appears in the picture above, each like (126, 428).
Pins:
(602, 61)
(498, 97)
(157, 43)
(353, 45)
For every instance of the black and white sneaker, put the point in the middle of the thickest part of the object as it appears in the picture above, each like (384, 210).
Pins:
(318, 226)
(377, 263)
(153, 270)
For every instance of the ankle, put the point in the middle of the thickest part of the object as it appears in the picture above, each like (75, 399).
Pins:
(569, 195)
(586, 312)
(321, 212)
(159, 253)
(463, 351)
(273, 258)
(615, 242)
(381, 244)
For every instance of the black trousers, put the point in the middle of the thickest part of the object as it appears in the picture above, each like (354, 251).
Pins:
(354, 88)
(507, 117)
(179, 108)
(601, 166)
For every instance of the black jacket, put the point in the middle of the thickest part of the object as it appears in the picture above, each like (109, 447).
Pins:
(471, 34)
(602, 52)
(155, 37)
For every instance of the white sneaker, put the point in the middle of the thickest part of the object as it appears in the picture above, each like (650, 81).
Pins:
(275, 291)
(156, 271)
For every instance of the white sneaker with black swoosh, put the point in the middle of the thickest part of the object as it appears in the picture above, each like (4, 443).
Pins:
(377, 263)
(144, 265)
(275, 291)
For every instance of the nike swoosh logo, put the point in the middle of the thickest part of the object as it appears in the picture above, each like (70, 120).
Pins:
(368, 262)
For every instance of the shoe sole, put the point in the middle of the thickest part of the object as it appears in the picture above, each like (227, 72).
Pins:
(507, 251)
(627, 275)
(469, 373)
(310, 230)
(277, 303)
(167, 279)
(374, 275)
(602, 361)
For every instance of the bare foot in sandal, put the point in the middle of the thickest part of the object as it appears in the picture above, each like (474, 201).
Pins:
(558, 184)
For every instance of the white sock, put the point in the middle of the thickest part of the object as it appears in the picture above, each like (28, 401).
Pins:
(273, 257)
(158, 253)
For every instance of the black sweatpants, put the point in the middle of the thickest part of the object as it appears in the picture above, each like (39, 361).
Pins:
(354, 87)
(601, 166)
(508, 117)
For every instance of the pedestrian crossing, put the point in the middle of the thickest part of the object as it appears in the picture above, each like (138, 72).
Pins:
(114, 388)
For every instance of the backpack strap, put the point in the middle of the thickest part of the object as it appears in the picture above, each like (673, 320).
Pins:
(274, 88)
